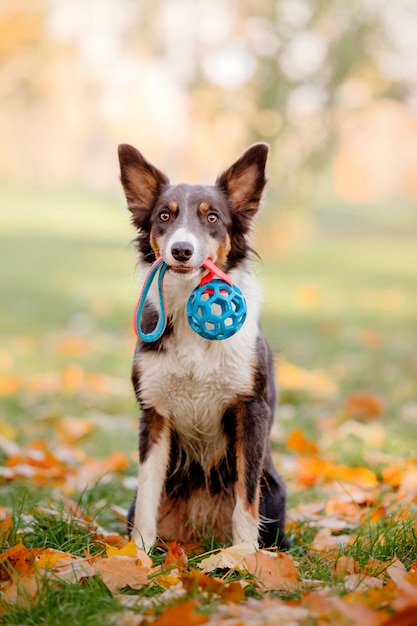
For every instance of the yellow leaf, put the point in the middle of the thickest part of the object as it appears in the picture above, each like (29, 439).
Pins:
(128, 550)
(49, 558)
(7, 431)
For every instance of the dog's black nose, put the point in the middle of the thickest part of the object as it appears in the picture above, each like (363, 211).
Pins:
(182, 251)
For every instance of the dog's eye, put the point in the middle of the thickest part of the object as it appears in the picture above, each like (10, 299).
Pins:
(164, 216)
(212, 218)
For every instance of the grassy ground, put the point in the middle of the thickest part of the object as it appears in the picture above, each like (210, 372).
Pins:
(340, 312)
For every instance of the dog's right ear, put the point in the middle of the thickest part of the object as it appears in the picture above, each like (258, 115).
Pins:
(142, 182)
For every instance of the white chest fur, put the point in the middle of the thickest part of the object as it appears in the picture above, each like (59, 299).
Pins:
(194, 380)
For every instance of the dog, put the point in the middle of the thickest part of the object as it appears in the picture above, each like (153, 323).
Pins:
(207, 407)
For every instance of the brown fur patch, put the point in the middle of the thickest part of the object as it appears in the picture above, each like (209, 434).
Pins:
(155, 246)
(240, 458)
(222, 252)
(203, 207)
(173, 207)
(189, 520)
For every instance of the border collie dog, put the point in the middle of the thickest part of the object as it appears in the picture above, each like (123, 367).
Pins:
(207, 407)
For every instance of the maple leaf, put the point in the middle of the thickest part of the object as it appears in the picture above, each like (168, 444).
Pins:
(121, 571)
(274, 571)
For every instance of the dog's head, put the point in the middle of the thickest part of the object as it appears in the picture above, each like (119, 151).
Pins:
(184, 223)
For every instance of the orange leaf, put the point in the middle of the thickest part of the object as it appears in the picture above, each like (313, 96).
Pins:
(6, 523)
(9, 384)
(17, 560)
(297, 442)
(364, 406)
(183, 614)
(71, 430)
(176, 556)
(273, 571)
(231, 592)
(405, 617)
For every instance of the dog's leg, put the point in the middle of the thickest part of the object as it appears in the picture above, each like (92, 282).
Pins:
(252, 431)
(154, 448)
(272, 507)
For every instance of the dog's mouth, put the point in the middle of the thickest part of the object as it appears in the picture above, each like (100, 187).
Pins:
(184, 269)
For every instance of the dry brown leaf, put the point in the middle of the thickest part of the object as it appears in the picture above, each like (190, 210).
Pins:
(397, 572)
(324, 540)
(121, 571)
(71, 570)
(360, 583)
(274, 571)
(345, 565)
(267, 612)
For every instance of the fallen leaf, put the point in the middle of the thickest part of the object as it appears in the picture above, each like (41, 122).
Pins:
(360, 583)
(71, 430)
(405, 617)
(345, 565)
(324, 540)
(49, 557)
(364, 406)
(176, 556)
(274, 571)
(315, 382)
(71, 570)
(297, 442)
(128, 550)
(228, 592)
(6, 523)
(121, 571)
(397, 572)
(183, 614)
(228, 558)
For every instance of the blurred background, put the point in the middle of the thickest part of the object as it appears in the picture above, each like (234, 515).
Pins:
(331, 86)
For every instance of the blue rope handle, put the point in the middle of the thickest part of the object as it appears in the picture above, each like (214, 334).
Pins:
(157, 332)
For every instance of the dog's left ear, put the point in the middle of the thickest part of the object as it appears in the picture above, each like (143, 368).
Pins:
(142, 182)
(244, 181)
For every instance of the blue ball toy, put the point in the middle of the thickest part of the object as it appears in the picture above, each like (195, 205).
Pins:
(216, 309)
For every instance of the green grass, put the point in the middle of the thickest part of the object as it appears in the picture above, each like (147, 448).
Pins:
(67, 270)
